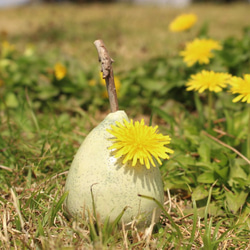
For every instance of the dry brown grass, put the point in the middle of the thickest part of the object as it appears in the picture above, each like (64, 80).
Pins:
(32, 234)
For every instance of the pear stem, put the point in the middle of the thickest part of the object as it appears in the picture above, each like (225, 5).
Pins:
(107, 72)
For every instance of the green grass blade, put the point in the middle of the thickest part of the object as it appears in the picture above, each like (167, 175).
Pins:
(40, 229)
(208, 226)
(92, 229)
(166, 117)
(118, 218)
(199, 107)
(191, 240)
(35, 121)
(94, 209)
(165, 212)
(57, 207)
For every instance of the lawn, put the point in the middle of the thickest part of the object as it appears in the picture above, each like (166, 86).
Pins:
(51, 97)
(134, 34)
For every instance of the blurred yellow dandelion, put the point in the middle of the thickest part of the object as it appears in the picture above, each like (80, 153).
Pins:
(182, 22)
(29, 50)
(139, 143)
(103, 82)
(117, 85)
(7, 48)
(92, 82)
(241, 86)
(210, 80)
(199, 50)
(6, 45)
(60, 71)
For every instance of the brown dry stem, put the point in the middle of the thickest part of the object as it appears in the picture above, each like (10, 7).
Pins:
(227, 146)
(107, 71)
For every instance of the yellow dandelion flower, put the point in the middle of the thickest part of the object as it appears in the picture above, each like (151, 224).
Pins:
(182, 22)
(60, 71)
(103, 82)
(199, 50)
(92, 82)
(208, 80)
(138, 142)
(241, 86)
(117, 85)
(7, 48)
(105, 94)
(29, 50)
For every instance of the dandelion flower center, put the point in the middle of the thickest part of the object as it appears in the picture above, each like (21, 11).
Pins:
(139, 143)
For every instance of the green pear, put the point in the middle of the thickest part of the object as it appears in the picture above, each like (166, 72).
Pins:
(114, 185)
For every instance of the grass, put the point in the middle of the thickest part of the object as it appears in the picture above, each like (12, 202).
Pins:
(37, 151)
(71, 30)
(36, 148)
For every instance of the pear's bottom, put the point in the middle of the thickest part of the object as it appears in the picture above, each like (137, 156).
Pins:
(139, 211)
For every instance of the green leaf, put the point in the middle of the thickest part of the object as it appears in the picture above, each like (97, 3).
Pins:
(223, 172)
(207, 177)
(199, 193)
(236, 173)
(11, 100)
(166, 117)
(235, 201)
(206, 165)
(204, 152)
(47, 92)
(184, 160)
(152, 85)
